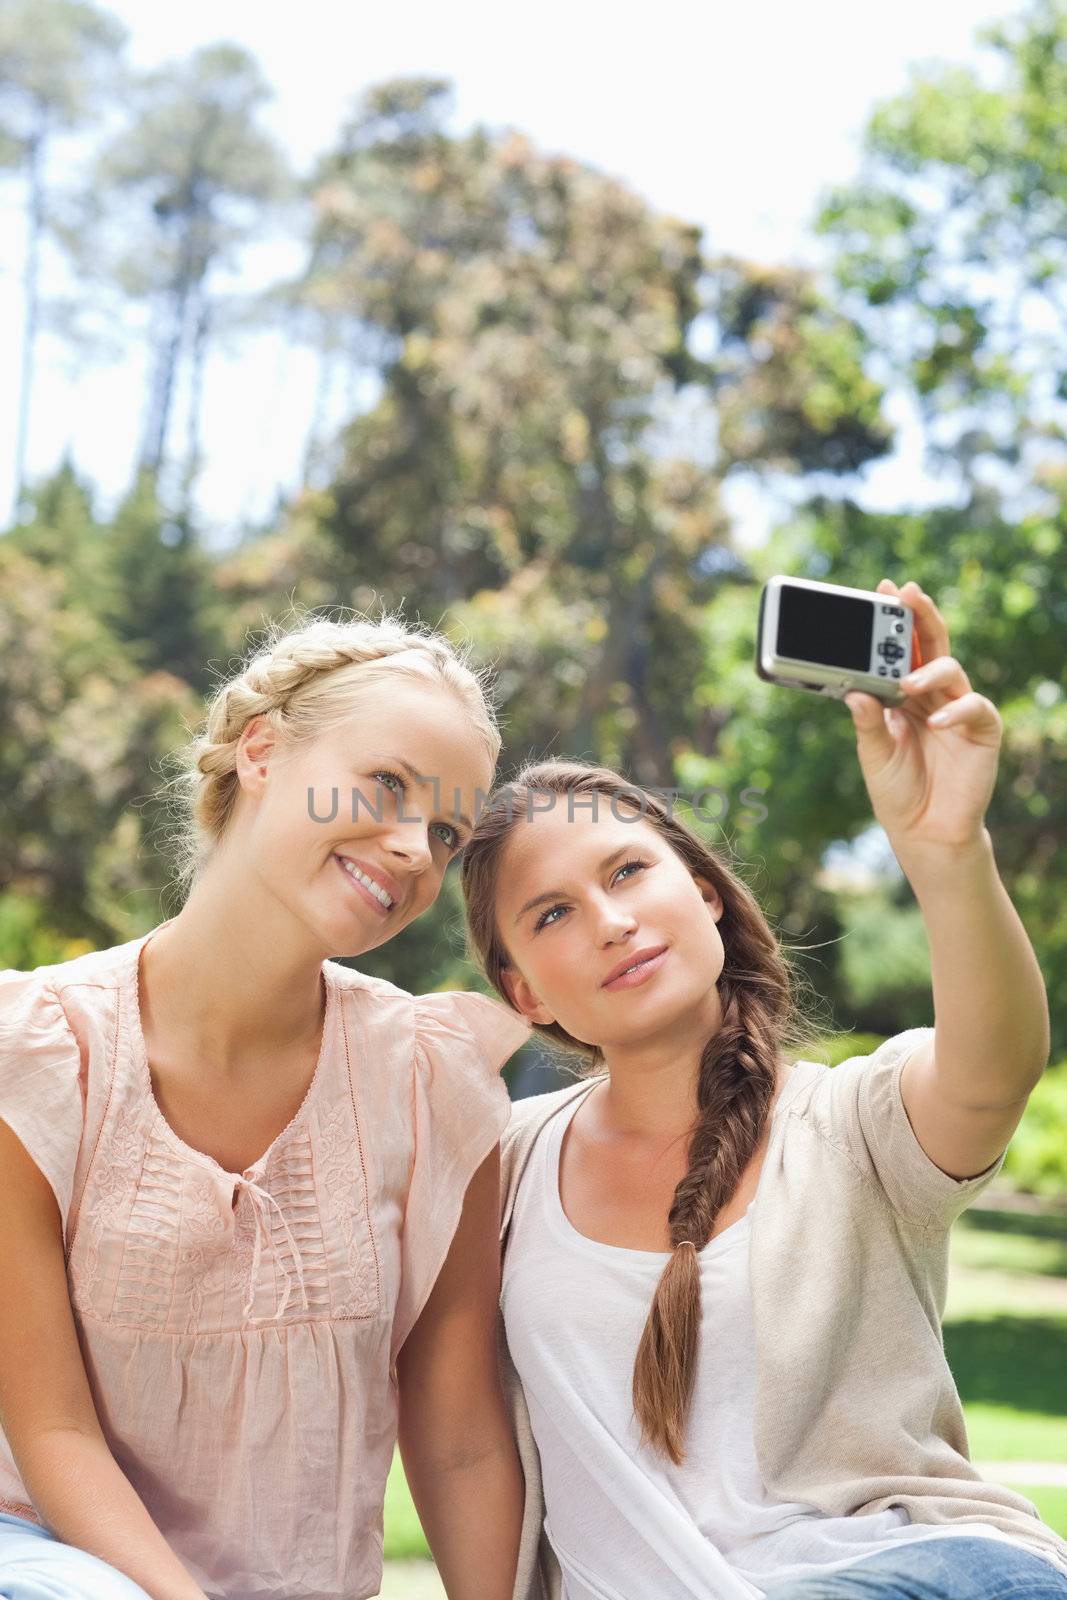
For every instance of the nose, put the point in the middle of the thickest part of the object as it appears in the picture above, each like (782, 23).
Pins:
(410, 843)
(614, 922)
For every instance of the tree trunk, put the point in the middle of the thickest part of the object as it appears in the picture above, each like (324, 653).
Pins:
(190, 274)
(35, 217)
(198, 362)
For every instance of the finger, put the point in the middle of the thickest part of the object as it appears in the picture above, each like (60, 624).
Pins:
(876, 729)
(971, 711)
(886, 586)
(930, 625)
(943, 677)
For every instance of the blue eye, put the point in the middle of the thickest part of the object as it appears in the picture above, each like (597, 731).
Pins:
(452, 842)
(543, 922)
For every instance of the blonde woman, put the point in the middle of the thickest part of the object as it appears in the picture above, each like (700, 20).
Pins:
(248, 1196)
(724, 1274)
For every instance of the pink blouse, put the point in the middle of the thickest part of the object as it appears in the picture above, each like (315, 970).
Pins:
(239, 1329)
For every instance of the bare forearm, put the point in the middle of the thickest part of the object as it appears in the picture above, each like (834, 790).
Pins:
(471, 1512)
(83, 1496)
(991, 1021)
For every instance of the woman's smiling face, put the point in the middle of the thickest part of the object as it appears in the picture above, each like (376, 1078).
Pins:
(315, 816)
(581, 890)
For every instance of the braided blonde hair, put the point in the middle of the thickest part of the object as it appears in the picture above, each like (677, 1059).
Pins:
(304, 681)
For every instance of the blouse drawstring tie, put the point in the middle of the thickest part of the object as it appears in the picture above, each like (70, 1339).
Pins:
(261, 1199)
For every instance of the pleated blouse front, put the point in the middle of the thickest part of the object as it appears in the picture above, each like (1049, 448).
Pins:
(239, 1330)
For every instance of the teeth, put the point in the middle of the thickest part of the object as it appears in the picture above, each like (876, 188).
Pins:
(368, 883)
(635, 966)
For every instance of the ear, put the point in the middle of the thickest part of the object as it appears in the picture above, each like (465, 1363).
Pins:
(255, 747)
(523, 997)
(711, 895)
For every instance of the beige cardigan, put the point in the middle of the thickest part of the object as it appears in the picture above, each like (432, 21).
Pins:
(855, 1409)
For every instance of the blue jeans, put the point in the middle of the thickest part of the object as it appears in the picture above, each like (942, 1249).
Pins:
(957, 1568)
(35, 1565)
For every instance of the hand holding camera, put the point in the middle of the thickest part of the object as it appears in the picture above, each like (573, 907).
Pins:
(929, 759)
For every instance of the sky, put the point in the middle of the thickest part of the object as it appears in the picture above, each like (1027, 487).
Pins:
(736, 117)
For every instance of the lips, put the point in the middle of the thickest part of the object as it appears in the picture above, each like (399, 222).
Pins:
(633, 961)
(376, 875)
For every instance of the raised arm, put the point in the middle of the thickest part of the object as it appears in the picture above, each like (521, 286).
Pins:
(930, 784)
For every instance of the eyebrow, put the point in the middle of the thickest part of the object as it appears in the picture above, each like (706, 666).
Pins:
(554, 894)
(415, 776)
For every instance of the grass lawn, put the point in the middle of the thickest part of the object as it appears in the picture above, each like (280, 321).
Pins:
(1006, 1341)
(403, 1534)
(1051, 1505)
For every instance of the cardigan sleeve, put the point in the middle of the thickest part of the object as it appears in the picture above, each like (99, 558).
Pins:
(41, 1096)
(874, 1119)
(461, 1108)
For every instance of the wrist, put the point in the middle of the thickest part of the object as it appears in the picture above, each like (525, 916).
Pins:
(941, 864)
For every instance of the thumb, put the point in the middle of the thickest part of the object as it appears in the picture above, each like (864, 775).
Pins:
(872, 728)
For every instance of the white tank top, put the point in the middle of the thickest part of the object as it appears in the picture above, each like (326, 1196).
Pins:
(623, 1521)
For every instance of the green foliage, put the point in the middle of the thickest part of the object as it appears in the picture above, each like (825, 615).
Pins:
(952, 245)
(531, 321)
(82, 732)
(884, 957)
(840, 1046)
(404, 1538)
(1036, 1161)
(159, 595)
(803, 399)
(56, 57)
(1051, 1504)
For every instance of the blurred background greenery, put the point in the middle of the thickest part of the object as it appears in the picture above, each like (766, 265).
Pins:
(565, 379)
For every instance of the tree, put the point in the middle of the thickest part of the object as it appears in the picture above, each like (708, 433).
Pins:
(524, 473)
(193, 176)
(82, 730)
(952, 250)
(58, 60)
(158, 596)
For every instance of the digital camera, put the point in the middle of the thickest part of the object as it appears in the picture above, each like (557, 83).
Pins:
(829, 639)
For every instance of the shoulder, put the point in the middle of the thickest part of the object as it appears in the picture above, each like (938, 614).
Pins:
(46, 997)
(535, 1110)
(859, 1084)
(349, 979)
(460, 1015)
(30, 1008)
(528, 1117)
(106, 967)
(858, 1108)
(473, 1026)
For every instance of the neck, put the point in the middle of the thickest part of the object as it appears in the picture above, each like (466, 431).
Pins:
(234, 968)
(651, 1089)
(652, 1084)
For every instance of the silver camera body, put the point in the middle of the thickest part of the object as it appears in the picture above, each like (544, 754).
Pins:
(828, 639)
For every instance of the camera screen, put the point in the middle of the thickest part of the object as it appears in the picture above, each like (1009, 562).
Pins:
(829, 628)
